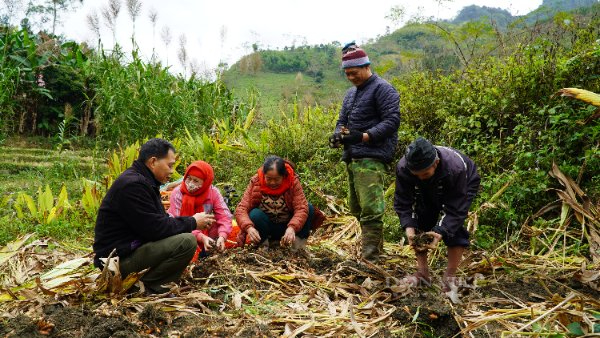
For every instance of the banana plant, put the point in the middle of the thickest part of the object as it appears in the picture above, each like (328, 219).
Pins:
(46, 209)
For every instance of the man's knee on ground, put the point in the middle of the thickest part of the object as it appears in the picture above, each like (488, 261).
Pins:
(188, 243)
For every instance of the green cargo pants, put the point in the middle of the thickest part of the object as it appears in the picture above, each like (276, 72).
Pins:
(367, 204)
(166, 258)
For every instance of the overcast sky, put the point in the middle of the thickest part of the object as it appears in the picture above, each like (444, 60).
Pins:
(224, 30)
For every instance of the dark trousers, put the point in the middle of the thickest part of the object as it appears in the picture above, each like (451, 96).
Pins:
(274, 231)
(166, 258)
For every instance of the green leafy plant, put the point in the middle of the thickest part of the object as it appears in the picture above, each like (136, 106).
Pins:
(120, 160)
(46, 209)
(91, 198)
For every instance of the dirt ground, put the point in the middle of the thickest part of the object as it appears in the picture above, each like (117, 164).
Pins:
(274, 292)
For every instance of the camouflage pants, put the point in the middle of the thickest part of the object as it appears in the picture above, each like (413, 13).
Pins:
(366, 200)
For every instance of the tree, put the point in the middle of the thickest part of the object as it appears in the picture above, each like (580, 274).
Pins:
(153, 16)
(182, 53)
(93, 21)
(12, 7)
(396, 15)
(50, 10)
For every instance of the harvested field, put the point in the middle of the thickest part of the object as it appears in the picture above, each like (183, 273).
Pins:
(261, 292)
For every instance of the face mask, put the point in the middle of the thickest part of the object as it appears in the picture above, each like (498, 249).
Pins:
(191, 186)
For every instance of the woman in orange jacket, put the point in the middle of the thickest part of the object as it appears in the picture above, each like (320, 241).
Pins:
(274, 207)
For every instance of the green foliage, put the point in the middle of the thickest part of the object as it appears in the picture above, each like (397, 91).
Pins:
(45, 210)
(301, 137)
(501, 111)
(140, 99)
(51, 87)
(91, 198)
(120, 160)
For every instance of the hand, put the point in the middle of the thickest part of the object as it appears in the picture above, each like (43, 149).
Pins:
(253, 234)
(353, 137)
(221, 243)
(410, 234)
(436, 240)
(206, 241)
(203, 220)
(288, 237)
(335, 140)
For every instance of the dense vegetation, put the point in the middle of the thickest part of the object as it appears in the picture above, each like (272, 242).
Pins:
(484, 91)
(62, 89)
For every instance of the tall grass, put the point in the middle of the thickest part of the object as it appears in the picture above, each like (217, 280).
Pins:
(140, 99)
(115, 97)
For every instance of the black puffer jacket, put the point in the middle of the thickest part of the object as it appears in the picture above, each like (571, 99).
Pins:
(374, 108)
(132, 213)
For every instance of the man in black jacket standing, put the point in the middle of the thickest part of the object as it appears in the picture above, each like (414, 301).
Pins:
(435, 187)
(367, 127)
(133, 221)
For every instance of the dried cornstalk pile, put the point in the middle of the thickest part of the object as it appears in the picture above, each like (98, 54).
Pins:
(332, 293)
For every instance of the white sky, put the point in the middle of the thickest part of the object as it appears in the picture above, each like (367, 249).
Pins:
(271, 23)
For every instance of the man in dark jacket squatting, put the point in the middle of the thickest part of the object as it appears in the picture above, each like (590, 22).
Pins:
(368, 128)
(133, 221)
(435, 187)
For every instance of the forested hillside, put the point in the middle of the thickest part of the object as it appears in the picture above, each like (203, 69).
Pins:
(310, 74)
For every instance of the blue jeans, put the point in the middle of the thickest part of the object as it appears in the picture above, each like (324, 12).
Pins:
(270, 230)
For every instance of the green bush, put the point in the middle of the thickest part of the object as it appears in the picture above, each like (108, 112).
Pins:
(502, 113)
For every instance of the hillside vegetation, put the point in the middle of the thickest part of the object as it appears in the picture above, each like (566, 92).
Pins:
(314, 75)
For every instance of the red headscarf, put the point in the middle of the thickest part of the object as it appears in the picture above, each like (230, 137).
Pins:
(283, 187)
(192, 202)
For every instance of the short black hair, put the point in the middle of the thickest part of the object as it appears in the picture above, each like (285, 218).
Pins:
(156, 147)
(277, 162)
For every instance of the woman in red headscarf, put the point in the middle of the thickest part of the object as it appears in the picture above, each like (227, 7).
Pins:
(274, 207)
(197, 194)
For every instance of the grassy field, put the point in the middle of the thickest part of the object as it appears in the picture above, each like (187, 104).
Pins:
(280, 90)
(27, 166)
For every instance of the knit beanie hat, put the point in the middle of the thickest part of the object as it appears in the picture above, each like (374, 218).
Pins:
(420, 154)
(354, 56)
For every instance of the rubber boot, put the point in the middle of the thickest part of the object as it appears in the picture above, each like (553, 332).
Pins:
(372, 247)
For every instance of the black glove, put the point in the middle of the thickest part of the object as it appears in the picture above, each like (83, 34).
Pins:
(353, 137)
(335, 140)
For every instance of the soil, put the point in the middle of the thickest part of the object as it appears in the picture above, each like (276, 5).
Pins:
(325, 262)
(425, 310)
(429, 311)
(422, 239)
(70, 322)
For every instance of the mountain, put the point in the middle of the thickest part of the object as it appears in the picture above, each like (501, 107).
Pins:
(309, 75)
(567, 5)
(475, 13)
